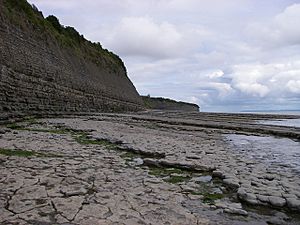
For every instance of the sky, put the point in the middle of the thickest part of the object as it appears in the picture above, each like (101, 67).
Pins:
(224, 55)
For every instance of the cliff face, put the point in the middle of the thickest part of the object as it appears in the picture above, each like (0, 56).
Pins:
(168, 104)
(44, 71)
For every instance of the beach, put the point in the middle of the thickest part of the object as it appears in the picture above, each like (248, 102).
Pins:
(154, 167)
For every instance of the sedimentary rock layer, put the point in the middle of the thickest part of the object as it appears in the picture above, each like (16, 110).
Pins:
(41, 74)
(151, 168)
(168, 104)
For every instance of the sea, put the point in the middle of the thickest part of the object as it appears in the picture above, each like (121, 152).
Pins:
(282, 122)
(279, 122)
(270, 150)
(280, 151)
(276, 112)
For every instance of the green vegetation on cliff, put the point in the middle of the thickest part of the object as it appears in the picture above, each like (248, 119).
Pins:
(20, 12)
(168, 104)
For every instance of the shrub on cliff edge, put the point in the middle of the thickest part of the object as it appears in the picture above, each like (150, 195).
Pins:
(22, 13)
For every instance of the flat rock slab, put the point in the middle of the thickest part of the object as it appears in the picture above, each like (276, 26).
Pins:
(100, 171)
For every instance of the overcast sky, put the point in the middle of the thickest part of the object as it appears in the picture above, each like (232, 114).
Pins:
(225, 55)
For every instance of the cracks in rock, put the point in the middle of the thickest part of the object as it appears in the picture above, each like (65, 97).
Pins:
(23, 220)
(79, 179)
(82, 137)
(2, 161)
(165, 164)
(143, 154)
(56, 212)
(53, 206)
(134, 209)
(33, 208)
(4, 179)
(108, 214)
(38, 181)
(7, 204)
(80, 208)
(29, 168)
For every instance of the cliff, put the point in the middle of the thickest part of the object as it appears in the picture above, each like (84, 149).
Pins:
(168, 104)
(46, 68)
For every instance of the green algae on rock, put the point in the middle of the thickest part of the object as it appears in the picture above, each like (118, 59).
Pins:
(25, 153)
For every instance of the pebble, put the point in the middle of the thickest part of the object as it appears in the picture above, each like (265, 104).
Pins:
(138, 161)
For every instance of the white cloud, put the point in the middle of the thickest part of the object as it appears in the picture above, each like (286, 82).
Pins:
(281, 30)
(275, 79)
(223, 89)
(254, 89)
(141, 36)
(223, 55)
(145, 37)
(294, 86)
(193, 99)
(287, 25)
(216, 74)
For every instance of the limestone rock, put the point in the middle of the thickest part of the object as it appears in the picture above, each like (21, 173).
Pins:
(277, 201)
(232, 208)
(247, 197)
(232, 183)
(51, 78)
(68, 207)
(293, 203)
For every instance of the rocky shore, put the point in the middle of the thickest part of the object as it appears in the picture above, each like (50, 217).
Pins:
(144, 168)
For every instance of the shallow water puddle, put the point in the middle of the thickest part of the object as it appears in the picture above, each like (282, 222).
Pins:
(274, 151)
(281, 122)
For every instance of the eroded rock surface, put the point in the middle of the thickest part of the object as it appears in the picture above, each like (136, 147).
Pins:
(115, 169)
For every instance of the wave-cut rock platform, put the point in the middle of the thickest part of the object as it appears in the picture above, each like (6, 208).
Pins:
(145, 168)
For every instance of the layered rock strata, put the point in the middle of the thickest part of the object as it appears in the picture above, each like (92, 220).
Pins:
(169, 104)
(40, 74)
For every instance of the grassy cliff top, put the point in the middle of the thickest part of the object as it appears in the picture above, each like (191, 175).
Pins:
(166, 103)
(22, 14)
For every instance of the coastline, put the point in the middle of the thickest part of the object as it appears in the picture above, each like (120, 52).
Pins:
(261, 112)
(150, 167)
